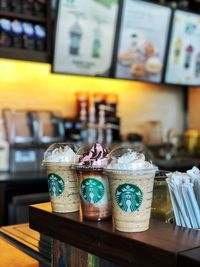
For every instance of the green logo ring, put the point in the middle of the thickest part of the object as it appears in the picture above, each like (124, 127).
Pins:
(128, 197)
(56, 185)
(92, 190)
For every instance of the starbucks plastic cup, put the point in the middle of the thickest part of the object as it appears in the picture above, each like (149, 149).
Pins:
(62, 179)
(131, 192)
(93, 188)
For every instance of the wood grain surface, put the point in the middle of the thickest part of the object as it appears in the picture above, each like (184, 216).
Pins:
(158, 246)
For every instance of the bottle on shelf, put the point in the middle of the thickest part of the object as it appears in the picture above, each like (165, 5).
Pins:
(28, 36)
(17, 31)
(40, 37)
(82, 99)
(99, 99)
(5, 33)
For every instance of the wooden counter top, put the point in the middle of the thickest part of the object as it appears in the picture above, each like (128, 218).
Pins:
(162, 245)
(12, 256)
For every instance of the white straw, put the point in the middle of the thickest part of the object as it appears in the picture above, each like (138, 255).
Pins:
(194, 204)
(188, 205)
(175, 209)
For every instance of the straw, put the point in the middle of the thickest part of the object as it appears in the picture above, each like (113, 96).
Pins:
(189, 207)
(175, 208)
(180, 205)
(184, 191)
(197, 190)
(194, 204)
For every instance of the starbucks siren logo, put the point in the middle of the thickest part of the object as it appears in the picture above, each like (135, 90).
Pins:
(92, 190)
(56, 184)
(129, 197)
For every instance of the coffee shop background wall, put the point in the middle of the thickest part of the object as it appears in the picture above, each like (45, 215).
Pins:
(194, 108)
(25, 85)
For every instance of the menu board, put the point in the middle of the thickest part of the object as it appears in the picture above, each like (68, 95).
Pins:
(183, 66)
(142, 41)
(84, 39)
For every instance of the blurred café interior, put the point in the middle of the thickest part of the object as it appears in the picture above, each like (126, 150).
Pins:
(116, 72)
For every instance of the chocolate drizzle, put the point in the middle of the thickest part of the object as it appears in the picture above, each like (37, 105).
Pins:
(96, 156)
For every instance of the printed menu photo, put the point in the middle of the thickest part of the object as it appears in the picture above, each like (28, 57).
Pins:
(142, 41)
(84, 38)
(183, 66)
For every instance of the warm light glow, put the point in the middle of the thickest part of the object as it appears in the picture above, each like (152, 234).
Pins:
(28, 85)
(32, 85)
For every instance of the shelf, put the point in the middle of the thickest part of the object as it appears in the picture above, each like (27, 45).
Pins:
(162, 245)
(23, 54)
(13, 15)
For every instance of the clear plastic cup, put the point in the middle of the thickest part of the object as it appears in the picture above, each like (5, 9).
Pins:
(131, 192)
(93, 188)
(62, 179)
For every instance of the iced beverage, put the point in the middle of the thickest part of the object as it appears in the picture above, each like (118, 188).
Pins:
(62, 179)
(93, 183)
(131, 180)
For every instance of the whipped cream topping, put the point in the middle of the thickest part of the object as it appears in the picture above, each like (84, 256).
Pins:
(60, 154)
(130, 161)
(97, 156)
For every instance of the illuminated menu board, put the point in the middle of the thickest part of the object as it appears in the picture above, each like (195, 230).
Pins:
(142, 41)
(84, 39)
(183, 66)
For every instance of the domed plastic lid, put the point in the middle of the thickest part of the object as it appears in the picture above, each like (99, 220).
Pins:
(135, 158)
(91, 157)
(62, 153)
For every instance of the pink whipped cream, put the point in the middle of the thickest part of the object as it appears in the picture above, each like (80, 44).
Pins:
(97, 156)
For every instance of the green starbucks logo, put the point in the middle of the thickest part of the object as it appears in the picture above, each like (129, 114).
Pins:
(92, 190)
(129, 197)
(56, 184)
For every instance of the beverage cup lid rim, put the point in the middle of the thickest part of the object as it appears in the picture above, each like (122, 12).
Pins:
(87, 168)
(58, 163)
(147, 170)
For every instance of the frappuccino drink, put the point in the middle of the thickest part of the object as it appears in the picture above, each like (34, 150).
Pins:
(93, 183)
(131, 180)
(62, 179)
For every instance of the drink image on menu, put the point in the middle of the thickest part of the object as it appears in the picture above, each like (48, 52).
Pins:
(62, 179)
(96, 46)
(75, 38)
(93, 182)
(197, 67)
(131, 180)
(177, 50)
(188, 56)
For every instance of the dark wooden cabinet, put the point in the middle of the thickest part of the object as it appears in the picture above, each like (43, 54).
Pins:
(25, 54)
